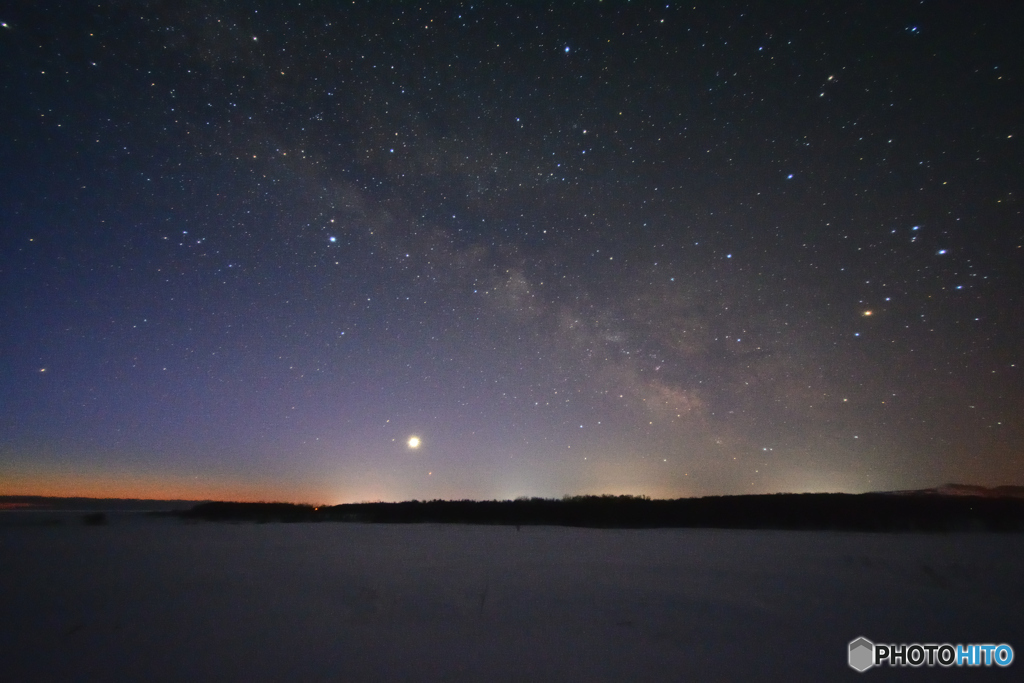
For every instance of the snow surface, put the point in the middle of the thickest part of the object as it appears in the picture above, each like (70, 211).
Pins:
(168, 601)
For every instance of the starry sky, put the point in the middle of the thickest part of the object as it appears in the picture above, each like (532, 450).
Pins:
(249, 250)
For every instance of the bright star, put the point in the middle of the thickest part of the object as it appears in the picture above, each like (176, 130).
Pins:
(414, 442)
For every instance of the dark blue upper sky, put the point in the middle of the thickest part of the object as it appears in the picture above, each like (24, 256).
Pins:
(249, 251)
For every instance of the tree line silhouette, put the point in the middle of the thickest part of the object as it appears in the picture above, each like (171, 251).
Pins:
(808, 511)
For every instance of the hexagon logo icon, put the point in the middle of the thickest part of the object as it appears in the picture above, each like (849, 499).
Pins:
(862, 654)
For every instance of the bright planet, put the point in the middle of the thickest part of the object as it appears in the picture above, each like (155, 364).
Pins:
(414, 442)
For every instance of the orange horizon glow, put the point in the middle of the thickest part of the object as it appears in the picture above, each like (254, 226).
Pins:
(171, 487)
(146, 489)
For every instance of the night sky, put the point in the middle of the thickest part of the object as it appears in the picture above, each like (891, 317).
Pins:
(248, 250)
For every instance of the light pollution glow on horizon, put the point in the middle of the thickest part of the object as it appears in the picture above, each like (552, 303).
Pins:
(367, 488)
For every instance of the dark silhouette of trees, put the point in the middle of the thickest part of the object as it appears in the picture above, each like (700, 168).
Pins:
(813, 511)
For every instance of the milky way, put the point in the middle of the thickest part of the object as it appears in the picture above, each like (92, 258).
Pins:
(675, 250)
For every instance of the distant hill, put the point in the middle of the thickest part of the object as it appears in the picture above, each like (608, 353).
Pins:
(968, 490)
(101, 504)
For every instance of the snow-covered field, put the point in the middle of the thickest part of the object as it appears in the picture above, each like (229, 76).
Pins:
(165, 601)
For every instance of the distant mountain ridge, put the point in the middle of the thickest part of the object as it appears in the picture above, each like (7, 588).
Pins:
(967, 490)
